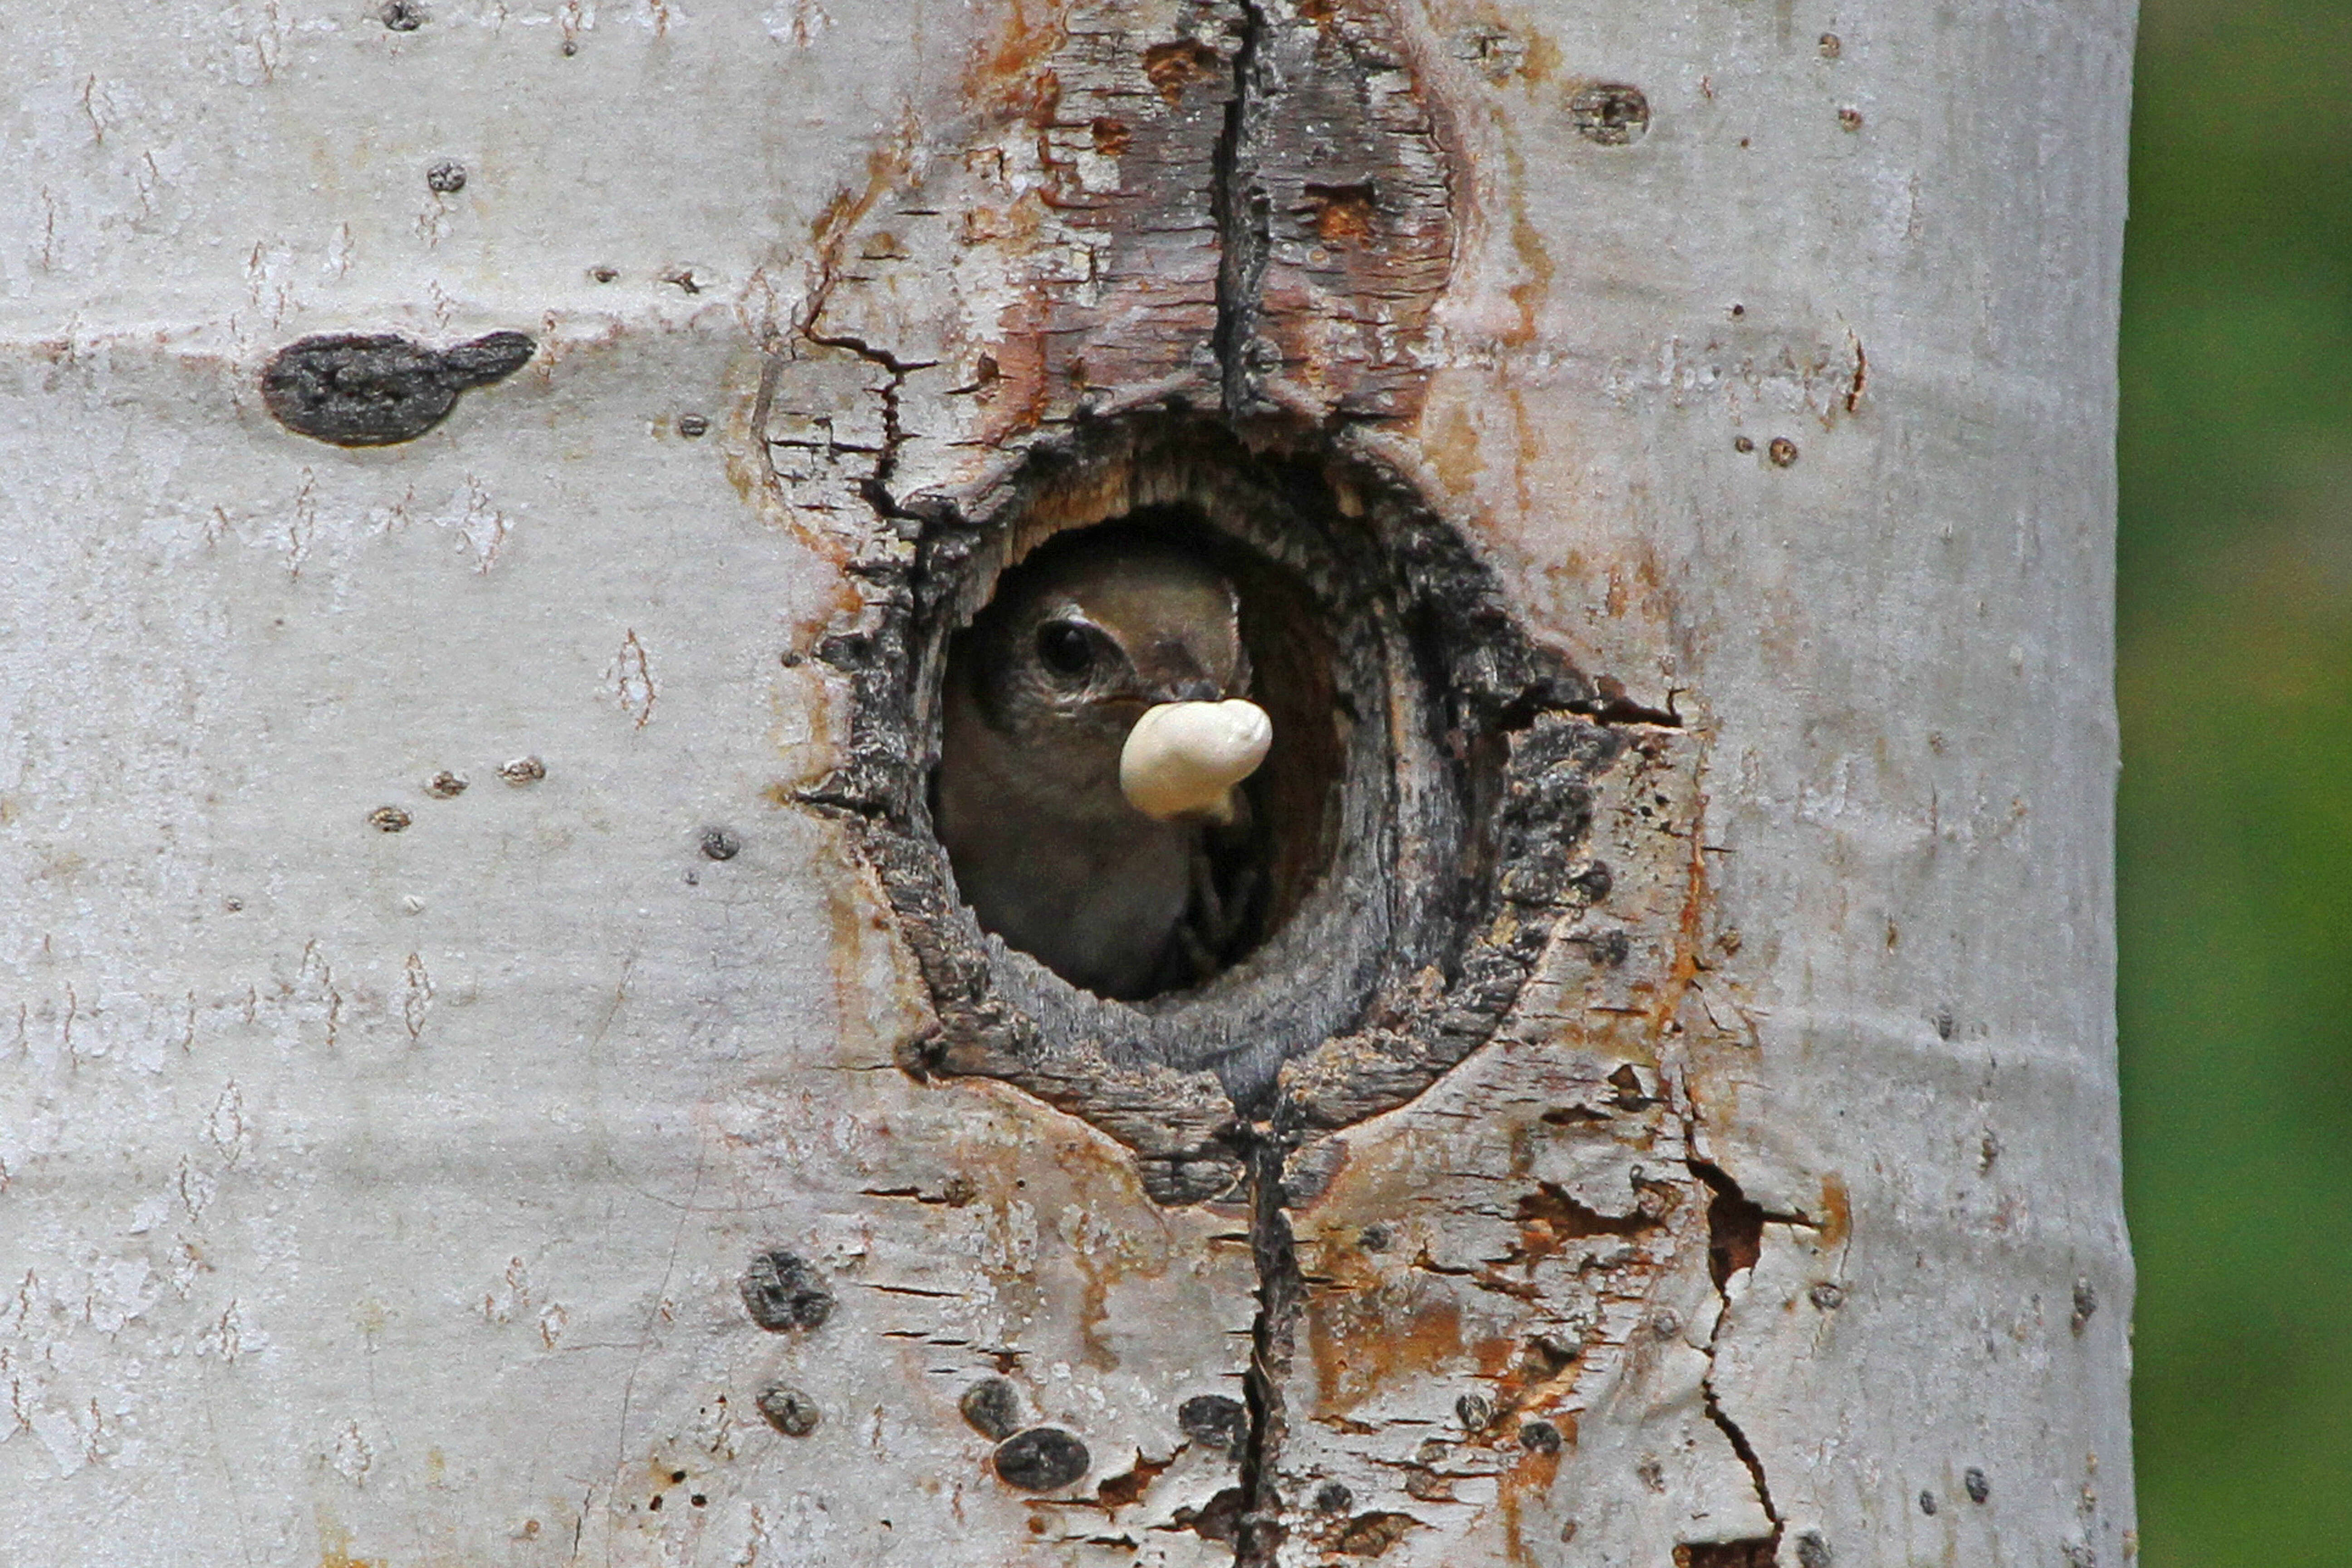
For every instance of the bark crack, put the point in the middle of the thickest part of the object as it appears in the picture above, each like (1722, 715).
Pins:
(1281, 1290)
(1239, 204)
(1354, 218)
(1239, 207)
(875, 486)
(1735, 1241)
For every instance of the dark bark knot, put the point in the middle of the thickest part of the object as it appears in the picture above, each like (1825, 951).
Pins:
(783, 1290)
(1042, 1459)
(789, 1410)
(1610, 114)
(358, 389)
(992, 1407)
(1215, 1422)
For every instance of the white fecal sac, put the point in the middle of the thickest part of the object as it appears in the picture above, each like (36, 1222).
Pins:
(1183, 758)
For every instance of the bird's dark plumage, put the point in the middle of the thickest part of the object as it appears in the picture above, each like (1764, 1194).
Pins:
(1042, 690)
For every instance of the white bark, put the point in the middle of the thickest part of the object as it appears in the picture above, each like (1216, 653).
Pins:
(381, 1197)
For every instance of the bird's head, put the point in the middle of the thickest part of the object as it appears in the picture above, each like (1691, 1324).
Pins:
(1085, 637)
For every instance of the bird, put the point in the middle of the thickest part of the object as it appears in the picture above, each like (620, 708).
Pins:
(1094, 722)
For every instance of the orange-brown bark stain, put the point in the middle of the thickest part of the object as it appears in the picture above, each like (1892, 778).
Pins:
(1173, 66)
(1022, 396)
(859, 926)
(1526, 241)
(1690, 928)
(335, 1547)
(1543, 56)
(1837, 1214)
(1343, 215)
(810, 758)
(885, 167)
(1531, 1479)
(1364, 1341)
(1528, 453)
(749, 473)
(850, 912)
(1449, 439)
(1003, 74)
(1094, 1296)
(1095, 1164)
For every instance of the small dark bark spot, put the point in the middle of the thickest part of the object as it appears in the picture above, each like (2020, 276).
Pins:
(789, 1411)
(993, 1407)
(1610, 114)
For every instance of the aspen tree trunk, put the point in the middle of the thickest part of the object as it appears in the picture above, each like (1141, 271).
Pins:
(480, 1081)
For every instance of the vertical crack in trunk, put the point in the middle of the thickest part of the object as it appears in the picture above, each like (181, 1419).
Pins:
(1280, 1291)
(1238, 201)
(1735, 1228)
(875, 487)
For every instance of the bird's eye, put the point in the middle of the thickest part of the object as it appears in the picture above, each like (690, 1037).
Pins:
(1064, 648)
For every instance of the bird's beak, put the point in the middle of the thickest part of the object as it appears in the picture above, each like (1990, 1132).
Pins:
(1181, 760)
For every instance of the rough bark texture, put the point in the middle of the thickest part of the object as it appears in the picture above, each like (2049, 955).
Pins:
(490, 1073)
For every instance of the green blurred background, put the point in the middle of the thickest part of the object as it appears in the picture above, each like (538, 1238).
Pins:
(2236, 834)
